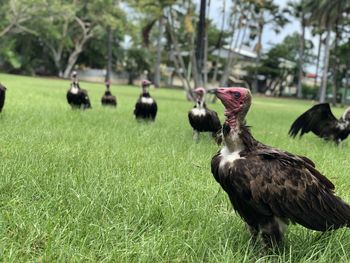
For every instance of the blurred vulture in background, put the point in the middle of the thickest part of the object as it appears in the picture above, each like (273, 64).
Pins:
(146, 106)
(321, 121)
(108, 99)
(203, 119)
(78, 98)
(2, 96)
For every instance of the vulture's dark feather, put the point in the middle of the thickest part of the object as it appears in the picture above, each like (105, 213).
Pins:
(2, 96)
(207, 122)
(266, 182)
(145, 111)
(78, 99)
(269, 187)
(321, 121)
(108, 99)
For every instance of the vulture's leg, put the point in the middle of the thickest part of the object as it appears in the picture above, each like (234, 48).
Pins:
(195, 135)
(217, 137)
(254, 232)
(337, 142)
(272, 233)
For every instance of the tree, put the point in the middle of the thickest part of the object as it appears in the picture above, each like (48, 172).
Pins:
(200, 42)
(266, 12)
(296, 9)
(281, 62)
(235, 24)
(327, 13)
(317, 31)
(16, 13)
(136, 62)
(65, 28)
(155, 14)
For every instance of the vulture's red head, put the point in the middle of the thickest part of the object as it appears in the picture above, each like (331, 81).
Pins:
(199, 93)
(236, 100)
(145, 83)
(74, 76)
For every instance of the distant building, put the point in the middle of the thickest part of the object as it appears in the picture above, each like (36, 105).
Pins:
(242, 58)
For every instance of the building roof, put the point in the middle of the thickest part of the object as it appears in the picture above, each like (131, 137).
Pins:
(242, 52)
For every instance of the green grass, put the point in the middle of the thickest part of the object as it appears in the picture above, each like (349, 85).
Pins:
(98, 186)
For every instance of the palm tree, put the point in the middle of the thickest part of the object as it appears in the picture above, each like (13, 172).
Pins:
(200, 42)
(317, 31)
(297, 10)
(222, 28)
(327, 13)
(266, 12)
(109, 55)
(156, 10)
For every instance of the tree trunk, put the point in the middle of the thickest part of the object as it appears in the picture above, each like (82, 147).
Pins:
(258, 56)
(109, 56)
(200, 42)
(130, 78)
(87, 33)
(227, 69)
(301, 58)
(159, 52)
(216, 69)
(346, 87)
(179, 63)
(335, 65)
(73, 57)
(318, 59)
(205, 62)
(194, 68)
(323, 88)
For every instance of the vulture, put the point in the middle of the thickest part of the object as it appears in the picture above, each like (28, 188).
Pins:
(203, 119)
(146, 106)
(78, 98)
(108, 99)
(321, 121)
(2, 96)
(268, 187)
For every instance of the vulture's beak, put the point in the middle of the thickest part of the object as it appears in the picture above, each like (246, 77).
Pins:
(212, 91)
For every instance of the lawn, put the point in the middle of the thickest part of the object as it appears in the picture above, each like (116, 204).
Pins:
(96, 185)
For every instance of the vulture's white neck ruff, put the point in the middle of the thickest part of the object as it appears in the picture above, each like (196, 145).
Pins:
(199, 109)
(200, 104)
(232, 149)
(233, 141)
(146, 100)
(74, 90)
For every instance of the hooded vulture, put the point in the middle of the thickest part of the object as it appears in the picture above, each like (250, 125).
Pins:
(269, 187)
(203, 119)
(2, 96)
(108, 99)
(78, 98)
(146, 106)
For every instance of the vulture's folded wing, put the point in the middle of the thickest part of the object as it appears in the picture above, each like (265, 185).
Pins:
(284, 185)
(214, 120)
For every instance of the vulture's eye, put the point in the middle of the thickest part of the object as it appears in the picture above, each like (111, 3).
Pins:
(236, 94)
